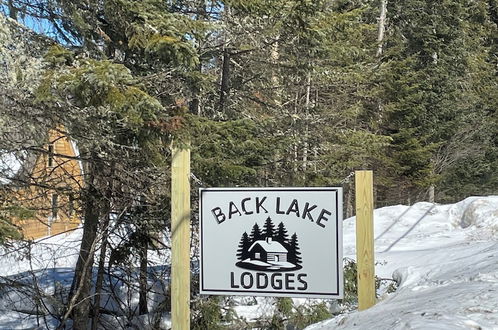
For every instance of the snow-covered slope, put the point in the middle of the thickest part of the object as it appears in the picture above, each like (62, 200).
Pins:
(445, 258)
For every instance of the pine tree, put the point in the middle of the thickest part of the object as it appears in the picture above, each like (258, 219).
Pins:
(294, 254)
(429, 87)
(281, 234)
(244, 245)
(256, 234)
(468, 170)
(268, 228)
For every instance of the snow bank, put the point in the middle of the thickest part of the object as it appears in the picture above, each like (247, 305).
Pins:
(478, 212)
(445, 258)
(60, 251)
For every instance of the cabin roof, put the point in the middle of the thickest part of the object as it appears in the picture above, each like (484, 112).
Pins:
(272, 246)
(18, 158)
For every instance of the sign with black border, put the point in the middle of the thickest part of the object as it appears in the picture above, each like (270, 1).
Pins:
(279, 242)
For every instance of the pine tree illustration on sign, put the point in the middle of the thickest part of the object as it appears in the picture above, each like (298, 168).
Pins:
(270, 250)
(244, 245)
(256, 234)
(294, 254)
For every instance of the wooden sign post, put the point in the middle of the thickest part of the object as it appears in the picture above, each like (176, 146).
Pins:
(364, 239)
(180, 237)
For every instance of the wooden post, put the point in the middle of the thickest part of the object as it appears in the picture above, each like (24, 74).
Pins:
(364, 239)
(180, 232)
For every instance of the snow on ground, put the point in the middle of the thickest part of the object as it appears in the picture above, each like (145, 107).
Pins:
(59, 251)
(445, 258)
(51, 261)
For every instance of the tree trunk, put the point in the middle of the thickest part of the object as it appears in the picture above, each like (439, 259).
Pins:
(225, 79)
(83, 274)
(380, 42)
(277, 100)
(103, 252)
(225, 65)
(100, 278)
(306, 126)
(432, 193)
(80, 288)
(275, 77)
(145, 234)
(142, 300)
(382, 26)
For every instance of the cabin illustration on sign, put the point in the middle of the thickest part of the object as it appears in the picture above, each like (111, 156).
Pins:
(269, 249)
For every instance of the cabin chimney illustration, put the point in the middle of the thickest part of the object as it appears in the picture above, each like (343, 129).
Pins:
(268, 240)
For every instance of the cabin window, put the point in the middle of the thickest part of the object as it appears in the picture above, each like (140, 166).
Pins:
(257, 255)
(55, 206)
(70, 207)
(50, 155)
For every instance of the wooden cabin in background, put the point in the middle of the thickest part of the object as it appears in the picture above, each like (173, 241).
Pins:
(47, 187)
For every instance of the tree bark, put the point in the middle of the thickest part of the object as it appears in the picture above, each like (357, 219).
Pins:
(306, 125)
(80, 288)
(275, 77)
(380, 44)
(225, 80)
(142, 300)
(382, 26)
(100, 278)
(432, 193)
(225, 64)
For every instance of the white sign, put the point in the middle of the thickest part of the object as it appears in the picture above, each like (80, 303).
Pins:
(283, 242)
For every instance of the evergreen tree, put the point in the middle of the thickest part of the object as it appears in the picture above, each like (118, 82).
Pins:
(256, 234)
(467, 159)
(244, 245)
(268, 228)
(428, 79)
(281, 234)
(294, 254)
